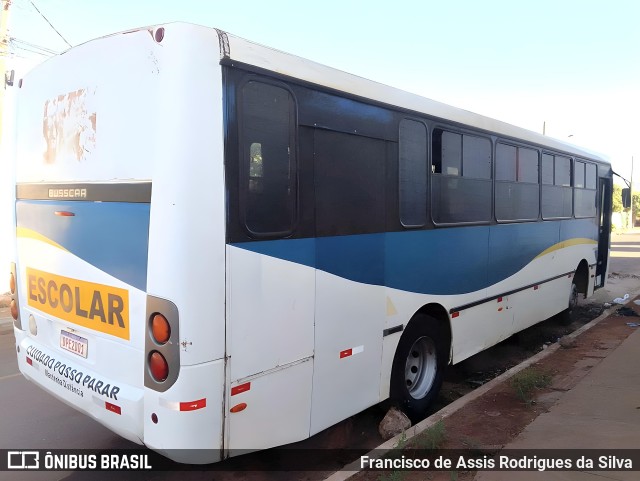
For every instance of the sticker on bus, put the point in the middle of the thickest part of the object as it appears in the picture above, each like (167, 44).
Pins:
(87, 304)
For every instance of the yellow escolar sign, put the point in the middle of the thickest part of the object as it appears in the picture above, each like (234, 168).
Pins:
(96, 306)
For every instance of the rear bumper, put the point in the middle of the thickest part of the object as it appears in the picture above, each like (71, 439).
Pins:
(117, 406)
(184, 423)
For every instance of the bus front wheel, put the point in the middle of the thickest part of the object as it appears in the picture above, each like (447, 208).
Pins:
(418, 365)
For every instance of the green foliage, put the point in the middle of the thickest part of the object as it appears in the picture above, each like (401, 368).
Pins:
(392, 476)
(527, 381)
(432, 438)
(635, 202)
(402, 442)
(617, 198)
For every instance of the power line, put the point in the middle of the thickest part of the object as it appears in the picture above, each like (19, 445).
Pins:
(50, 24)
(16, 42)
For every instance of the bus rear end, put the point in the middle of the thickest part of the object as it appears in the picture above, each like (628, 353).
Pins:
(119, 278)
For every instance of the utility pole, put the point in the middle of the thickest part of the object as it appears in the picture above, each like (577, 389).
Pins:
(4, 53)
(631, 223)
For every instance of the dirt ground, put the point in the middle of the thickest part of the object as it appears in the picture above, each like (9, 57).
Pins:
(486, 424)
(5, 299)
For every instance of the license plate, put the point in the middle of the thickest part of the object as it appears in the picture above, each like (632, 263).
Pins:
(74, 343)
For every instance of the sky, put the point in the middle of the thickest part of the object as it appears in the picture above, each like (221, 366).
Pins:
(570, 65)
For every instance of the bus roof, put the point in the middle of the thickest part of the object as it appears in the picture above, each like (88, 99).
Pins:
(247, 52)
(238, 49)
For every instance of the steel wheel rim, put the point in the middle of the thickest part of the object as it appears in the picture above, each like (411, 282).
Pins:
(421, 367)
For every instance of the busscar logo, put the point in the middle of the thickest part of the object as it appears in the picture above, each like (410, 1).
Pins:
(68, 193)
(23, 459)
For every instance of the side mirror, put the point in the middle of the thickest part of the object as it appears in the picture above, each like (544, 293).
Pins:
(626, 198)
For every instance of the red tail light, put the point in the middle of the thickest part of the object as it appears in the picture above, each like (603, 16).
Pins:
(160, 329)
(158, 366)
(12, 284)
(14, 309)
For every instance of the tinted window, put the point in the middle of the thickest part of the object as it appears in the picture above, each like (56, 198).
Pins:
(349, 183)
(527, 165)
(267, 158)
(413, 173)
(451, 153)
(590, 176)
(547, 169)
(562, 171)
(463, 192)
(557, 197)
(506, 162)
(476, 157)
(579, 175)
(584, 194)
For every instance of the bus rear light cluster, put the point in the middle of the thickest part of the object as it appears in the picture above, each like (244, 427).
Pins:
(13, 289)
(162, 349)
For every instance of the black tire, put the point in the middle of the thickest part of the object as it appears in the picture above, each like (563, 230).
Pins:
(421, 357)
(567, 316)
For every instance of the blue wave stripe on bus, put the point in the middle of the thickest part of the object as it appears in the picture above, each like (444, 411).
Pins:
(112, 236)
(439, 261)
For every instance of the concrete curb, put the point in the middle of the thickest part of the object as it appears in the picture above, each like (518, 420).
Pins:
(379, 452)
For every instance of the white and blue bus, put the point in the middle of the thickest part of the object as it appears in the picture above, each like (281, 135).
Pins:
(222, 247)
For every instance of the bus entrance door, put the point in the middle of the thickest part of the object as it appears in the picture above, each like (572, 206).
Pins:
(604, 230)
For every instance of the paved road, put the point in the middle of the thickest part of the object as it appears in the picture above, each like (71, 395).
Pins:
(32, 419)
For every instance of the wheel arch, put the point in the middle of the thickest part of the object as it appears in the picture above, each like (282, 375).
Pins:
(581, 277)
(438, 313)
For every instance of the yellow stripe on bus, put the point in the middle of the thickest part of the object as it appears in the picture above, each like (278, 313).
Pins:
(567, 243)
(32, 234)
(88, 304)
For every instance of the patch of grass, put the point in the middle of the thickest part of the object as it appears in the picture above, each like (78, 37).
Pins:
(432, 437)
(527, 381)
(392, 476)
(402, 442)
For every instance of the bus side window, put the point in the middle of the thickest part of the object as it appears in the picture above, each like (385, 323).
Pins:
(557, 199)
(461, 180)
(412, 173)
(267, 164)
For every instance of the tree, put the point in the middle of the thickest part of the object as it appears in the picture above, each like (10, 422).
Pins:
(617, 198)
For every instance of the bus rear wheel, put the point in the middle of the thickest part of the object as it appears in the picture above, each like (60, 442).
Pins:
(418, 365)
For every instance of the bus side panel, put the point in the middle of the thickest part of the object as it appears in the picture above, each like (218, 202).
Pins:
(277, 409)
(349, 323)
(270, 343)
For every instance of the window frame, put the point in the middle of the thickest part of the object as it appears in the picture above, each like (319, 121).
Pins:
(585, 166)
(433, 175)
(555, 184)
(244, 175)
(427, 164)
(517, 181)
